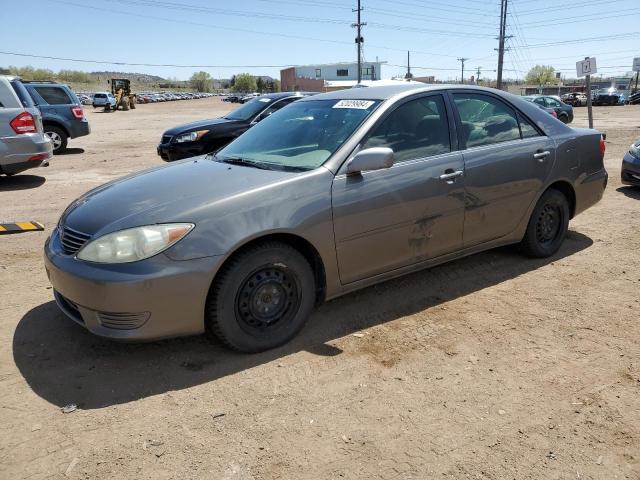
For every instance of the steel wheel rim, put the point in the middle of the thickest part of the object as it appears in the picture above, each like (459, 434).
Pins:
(549, 224)
(55, 139)
(267, 299)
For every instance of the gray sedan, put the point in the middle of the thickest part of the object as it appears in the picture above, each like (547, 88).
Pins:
(330, 194)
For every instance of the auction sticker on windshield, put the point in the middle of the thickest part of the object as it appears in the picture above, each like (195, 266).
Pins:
(359, 104)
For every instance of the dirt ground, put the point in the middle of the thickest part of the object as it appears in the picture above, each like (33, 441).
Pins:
(491, 367)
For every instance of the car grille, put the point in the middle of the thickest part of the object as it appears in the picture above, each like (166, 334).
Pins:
(122, 321)
(166, 139)
(72, 240)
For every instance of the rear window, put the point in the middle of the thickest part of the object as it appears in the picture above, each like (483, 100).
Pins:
(54, 95)
(22, 93)
(99, 95)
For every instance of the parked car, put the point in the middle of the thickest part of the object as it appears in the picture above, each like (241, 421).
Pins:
(631, 165)
(23, 144)
(62, 114)
(100, 99)
(609, 96)
(333, 193)
(575, 99)
(205, 136)
(634, 98)
(85, 99)
(563, 111)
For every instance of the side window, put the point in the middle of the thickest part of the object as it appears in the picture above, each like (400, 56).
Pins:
(552, 102)
(527, 130)
(540, 101)
(485, 120)
(416, 129)
(275, 107)
(54, 95)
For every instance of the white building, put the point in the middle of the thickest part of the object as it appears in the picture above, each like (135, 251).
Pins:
(305, 77)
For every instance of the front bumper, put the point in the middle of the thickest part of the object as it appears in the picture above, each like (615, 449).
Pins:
(630, 173)
(171, 152)
(147, 300)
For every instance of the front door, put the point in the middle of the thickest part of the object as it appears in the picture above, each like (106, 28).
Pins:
(387, 219)
(507, 160)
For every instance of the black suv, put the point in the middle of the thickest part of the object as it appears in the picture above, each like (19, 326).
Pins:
(206, 136)
(62, 113)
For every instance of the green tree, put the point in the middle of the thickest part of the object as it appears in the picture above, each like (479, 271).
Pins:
(201, 82)
(260, 85)
(541, 75)
(244, 82)
(74, 76)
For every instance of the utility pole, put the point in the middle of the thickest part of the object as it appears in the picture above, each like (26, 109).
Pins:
(462, 60)
(501, 40)
(408, 75)
(589, 101)
(478, 75)
(359, 40)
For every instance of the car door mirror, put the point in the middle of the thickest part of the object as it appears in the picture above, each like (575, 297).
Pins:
(375, 158)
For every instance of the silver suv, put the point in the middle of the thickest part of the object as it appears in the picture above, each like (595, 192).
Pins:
(23, 144)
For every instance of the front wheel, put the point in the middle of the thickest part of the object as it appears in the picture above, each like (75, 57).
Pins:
(547, 226)
(58, 138)
(261, 298)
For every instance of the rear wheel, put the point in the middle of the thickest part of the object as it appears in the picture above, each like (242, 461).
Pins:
(547, 226)
(563, 118)
(58, 138)
(262, 298)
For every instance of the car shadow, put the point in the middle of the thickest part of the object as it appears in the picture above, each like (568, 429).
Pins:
(71, 151)
(632, 192)
(20, 182)
(63, 363)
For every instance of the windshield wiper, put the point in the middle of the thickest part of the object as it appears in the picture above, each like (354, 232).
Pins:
(244, 162)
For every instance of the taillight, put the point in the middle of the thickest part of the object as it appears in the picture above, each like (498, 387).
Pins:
(77, 112)
(603, 146)
(554, 114)
(23, 123)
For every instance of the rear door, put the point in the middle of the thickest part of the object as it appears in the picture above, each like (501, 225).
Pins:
(387, 219)
(507, 160)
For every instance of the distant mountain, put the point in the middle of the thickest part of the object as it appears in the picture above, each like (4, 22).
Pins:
(134, 77)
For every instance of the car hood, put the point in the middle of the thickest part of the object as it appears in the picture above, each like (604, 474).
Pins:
(199, 125)
(164, 194)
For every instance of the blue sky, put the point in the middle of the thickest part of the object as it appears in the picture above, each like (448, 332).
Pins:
(260, 36)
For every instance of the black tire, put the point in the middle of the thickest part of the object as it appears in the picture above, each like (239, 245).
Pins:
(563, 118)
(278, 285)
(58, 138)
(547, 226)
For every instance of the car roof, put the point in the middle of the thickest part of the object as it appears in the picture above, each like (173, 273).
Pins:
(277, 95)
(390, 91)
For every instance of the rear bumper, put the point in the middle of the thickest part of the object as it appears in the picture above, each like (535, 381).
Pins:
(630, 172)
(141, 301)
(590, 189)
(79, 128)
(17, 152)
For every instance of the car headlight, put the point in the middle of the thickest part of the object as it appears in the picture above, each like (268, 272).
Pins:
(134, 244)
(191, 136)
(634, 150)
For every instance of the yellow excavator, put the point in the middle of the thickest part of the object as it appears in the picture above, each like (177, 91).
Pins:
(121, 90)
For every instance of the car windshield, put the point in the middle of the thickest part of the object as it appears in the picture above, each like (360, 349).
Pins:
(301, 136)
(249, 109)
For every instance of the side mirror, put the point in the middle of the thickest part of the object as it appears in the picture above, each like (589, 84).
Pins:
(375, 158)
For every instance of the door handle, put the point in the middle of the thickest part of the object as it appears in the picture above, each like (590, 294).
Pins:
(450, 175)
(540, 156)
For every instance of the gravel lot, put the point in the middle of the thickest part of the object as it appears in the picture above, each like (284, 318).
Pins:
(491, 367)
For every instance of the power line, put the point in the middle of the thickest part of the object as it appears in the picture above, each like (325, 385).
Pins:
(105, 62)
